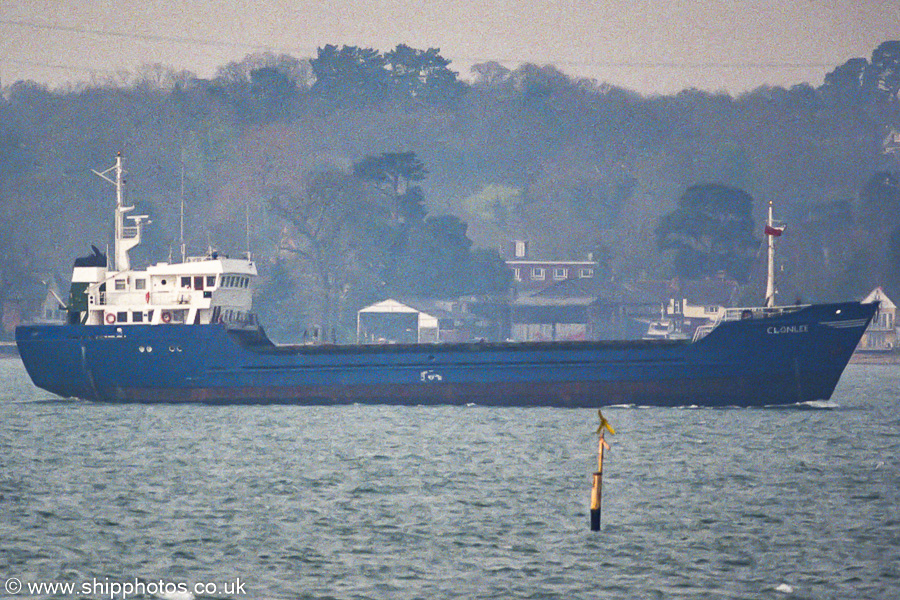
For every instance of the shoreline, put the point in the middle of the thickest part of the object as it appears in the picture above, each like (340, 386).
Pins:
(875, 358)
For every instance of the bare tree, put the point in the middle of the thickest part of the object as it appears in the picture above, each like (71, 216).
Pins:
(327, 216)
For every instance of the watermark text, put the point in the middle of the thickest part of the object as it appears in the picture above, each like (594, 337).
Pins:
(121, 590)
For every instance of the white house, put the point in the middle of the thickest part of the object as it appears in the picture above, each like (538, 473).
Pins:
(881, 334)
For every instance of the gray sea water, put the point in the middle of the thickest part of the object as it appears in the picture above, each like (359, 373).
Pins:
(472, 502)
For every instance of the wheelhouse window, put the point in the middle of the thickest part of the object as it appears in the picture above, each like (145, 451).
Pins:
(137, 317)
(120, 284)
(537, 274)
(586, 273)
(140, 284)
(186, 282)
(198, 282)
(210, 281)
(122, 317)
(559, 273)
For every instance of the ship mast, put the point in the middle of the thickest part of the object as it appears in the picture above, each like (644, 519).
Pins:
(770, 273)
(181, 225)
(126, 237)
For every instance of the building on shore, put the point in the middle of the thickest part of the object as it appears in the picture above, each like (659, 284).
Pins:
(881, 334)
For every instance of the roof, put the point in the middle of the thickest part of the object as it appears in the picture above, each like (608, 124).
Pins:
(878, 295)
(425, 319)
(389, 306)
(527, 261)
(537, 300)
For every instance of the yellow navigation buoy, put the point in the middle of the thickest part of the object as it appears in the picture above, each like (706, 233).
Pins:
(597, 488)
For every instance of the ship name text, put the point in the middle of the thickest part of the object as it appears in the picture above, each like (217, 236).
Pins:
(787, 329)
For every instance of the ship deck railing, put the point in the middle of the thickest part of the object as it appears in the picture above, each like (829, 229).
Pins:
(746, 312)
(759, 312)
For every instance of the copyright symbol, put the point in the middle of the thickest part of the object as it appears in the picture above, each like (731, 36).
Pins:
(13, 586)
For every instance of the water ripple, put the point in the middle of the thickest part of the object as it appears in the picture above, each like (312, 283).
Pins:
(475, 502)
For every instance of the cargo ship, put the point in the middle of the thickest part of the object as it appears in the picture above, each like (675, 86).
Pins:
(186, 332)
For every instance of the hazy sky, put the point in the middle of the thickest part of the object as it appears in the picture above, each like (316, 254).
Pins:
(653, 46)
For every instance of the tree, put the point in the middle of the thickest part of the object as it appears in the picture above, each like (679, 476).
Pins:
(327, 214)
(12, 154)
(710, 231)
(422, 75)
(845, 84)
(892, 273)
(439, 262)
(273, 93)
(426, 255)
(884, 75)
(392, 174)
(278, 303)
(880, 212)
(490, 73)
(490, 274)
(435, 262)
(350, 75)
(858, 80)
(239, 74)
(880, 202)
(262, 87)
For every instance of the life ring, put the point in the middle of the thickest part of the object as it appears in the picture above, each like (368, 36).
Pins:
(148, 297)
(110, 318)
(166, 317)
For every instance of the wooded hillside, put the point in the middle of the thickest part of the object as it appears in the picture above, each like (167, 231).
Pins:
(315, 150)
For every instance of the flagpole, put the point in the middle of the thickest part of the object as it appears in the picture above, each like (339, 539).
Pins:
(770, 275)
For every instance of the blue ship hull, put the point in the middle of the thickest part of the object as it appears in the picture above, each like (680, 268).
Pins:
(794, 357)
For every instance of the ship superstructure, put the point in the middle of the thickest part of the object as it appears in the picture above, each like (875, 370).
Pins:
(200, 290)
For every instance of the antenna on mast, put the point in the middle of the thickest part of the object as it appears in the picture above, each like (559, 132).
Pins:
(183, 247)
(247, 210)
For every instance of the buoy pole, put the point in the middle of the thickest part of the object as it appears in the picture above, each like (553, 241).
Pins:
(597, 488)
